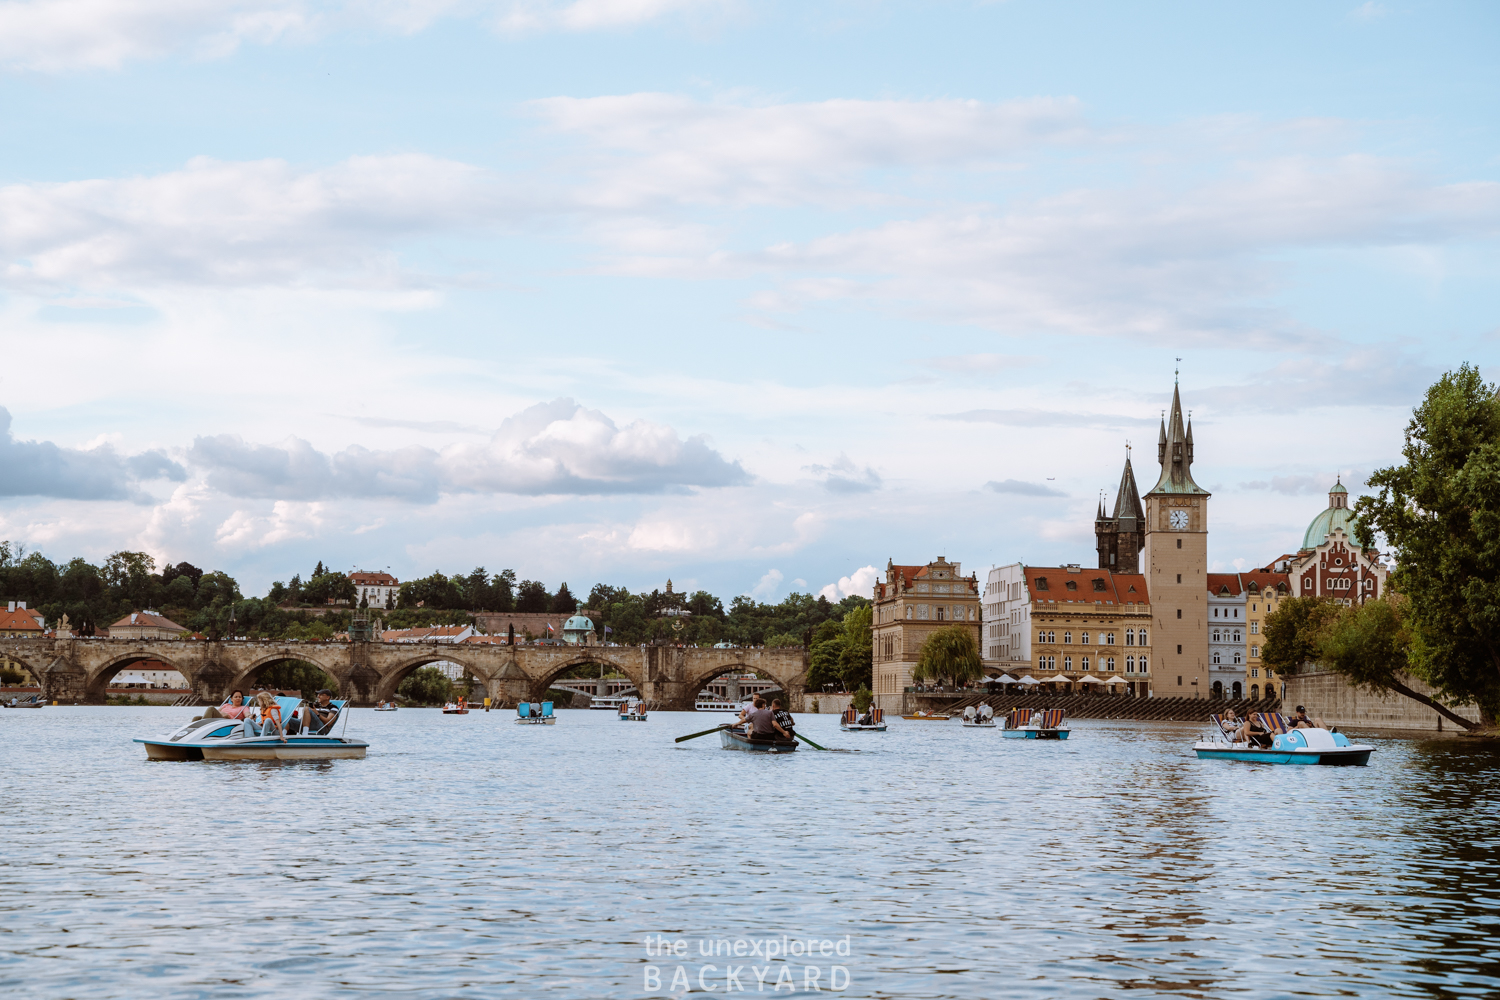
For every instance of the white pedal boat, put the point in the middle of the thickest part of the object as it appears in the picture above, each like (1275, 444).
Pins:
(1288, 746)
(535, 713)
(1025, 724)
(225, 739)
(849, 721)
(982, 717)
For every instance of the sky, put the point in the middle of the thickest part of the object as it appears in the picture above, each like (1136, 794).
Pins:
(754, 296)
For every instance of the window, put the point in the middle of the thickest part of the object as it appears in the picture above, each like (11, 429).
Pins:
(1084, 638)
(1255, 692)
(1179, 680)
(1179, 543)
(1109, 638)
(1254, 671)
(1142, 665)
(1236, 612)
(1179, 612)
(1083, 664)
(1130, 637)
(1068, 663)
(1179, 649)
(1067, 637)
(1254, 650)
(1098, 585)
(939, 612)
(1236, 636)
(1215, 657)
(1141, 637)
(1072, 585)
(1255, 628)
(1041, 583)
(1216, 612)
(1109, 664)
(1236, 656)
(1130, 664)
(1216, 635)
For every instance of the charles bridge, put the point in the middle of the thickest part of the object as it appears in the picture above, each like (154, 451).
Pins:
(667, 677)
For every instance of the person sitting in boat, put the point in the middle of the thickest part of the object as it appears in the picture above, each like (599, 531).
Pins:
(763, 724)
(321, 714)
(1299, 720)
(235, 707)
(784, 719)
(867, 719)
(757, 703)
(270, 718)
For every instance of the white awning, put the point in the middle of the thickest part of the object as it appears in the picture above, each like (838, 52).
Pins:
(1028, 680)
(1117, 680)
(1089, 679)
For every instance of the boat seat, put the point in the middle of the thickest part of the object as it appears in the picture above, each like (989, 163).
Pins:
(523, 709)
(546, 709)
(1272, 722)
(1053, 718)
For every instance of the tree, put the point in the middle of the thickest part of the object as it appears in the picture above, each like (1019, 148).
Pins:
(950, 652)
(1291, 632)
(504, 598)
(825, 656)
(1371, 645)
(857, 659)
(426, 686)
(563, 602)
(863, 698)
(1440, 512)
(532, 597)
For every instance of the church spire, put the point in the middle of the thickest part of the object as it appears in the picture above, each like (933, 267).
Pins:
(1175, 452)
(1128, 498)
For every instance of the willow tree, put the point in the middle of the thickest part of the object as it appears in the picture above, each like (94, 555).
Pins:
(951, 652)
(1440, 512)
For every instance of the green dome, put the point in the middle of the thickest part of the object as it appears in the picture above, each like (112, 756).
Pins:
(1338, 488)
(578, 623)
(1328, 519)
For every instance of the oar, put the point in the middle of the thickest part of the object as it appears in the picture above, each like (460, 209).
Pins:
(815, 746)
(705, 732)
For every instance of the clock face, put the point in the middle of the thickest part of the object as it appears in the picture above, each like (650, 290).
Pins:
(1179, 519)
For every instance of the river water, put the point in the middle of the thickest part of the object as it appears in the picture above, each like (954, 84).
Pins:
(470, 857)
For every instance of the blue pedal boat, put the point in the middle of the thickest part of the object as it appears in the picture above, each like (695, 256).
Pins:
(535, 713)
(1285, 745)
(225, 739)
(1025, 724)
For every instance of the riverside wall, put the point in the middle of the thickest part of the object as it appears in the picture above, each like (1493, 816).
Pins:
(1330, 697)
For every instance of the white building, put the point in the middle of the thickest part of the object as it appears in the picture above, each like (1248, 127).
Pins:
(1227, 633)
(379, 589)
(1007, 611)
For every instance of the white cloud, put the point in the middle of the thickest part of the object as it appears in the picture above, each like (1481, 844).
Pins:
(287, 521)
(843, 476)
(594, 15)
(1019, 488)
(98, 472)
(860, 582)
(668, 149)
(239, 224)
(550, 448)
(769, 585)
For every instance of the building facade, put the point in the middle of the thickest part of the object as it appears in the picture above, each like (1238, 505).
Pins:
(1227, 628)
(1007, 607)
(1174, 559)
(909, 605)
(1331, 563)
(1089, 623)
(145, 625)
(1264, 591)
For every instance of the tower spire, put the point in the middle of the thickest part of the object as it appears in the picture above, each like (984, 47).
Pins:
(1175, 451)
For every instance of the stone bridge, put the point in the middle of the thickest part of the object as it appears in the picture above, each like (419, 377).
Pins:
(668, 677)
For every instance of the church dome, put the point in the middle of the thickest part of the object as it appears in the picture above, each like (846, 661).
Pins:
(1336, 515)
(578, 623)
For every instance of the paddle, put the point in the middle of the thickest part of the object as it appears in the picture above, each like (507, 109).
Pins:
(705, 732)
(815, 746)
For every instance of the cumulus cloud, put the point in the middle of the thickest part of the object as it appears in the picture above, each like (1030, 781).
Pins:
(769, 585)
(675, 149)
(239, 224)
(860, 582)
(41, 468)
(1155, 264)
(1020, 488)
(843, 476)
(550, 448)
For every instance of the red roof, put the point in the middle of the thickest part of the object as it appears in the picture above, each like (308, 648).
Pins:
(1111, 588)
(373, 579)
(1263, 580)
(147, 619)
(1223, 581)
(21, 620)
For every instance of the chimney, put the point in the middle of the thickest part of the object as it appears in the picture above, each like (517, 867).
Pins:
(12, 606)
(20, 605)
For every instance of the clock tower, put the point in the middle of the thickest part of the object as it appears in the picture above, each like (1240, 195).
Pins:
(1174, 557)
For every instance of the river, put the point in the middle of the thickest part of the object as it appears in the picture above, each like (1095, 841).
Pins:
(470, 857)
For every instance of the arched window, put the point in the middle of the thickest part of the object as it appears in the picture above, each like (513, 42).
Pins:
(1236, 635)
(1109, 665)
(1216, 635)
(1130, 637)
(1140, 639)
(1255, 692)
(1130, 664)
(1083, 637)
(1067, 637)
(1141, 665)
(1067, 663)
(1236, 656)
(1083, 664)
(1109, 638)
(1216, 660)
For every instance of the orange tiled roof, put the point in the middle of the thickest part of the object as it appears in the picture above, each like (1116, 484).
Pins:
(373, 579)
(147, 619)
(1262, 580)
(1219, 581)
(1118, 588)
(21, 620)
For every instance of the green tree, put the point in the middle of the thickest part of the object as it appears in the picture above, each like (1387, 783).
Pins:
(951, 653)
(296, 675)
(532, 597)
(1440, 512)
(857, 659)
(863, 698)
(825, 656)
(426, 686)
(1371, 645)
(1291, 632)
(563, 602)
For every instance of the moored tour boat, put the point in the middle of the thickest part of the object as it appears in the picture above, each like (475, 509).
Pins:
(1281, 744)
(225, 739)
(872, 721)
(731, 738)
(1025, 724)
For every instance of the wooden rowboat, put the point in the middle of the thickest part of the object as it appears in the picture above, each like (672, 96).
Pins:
(729, 739)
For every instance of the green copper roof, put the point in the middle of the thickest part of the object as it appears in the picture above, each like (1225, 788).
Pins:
(1338, 488)
(1328, 519)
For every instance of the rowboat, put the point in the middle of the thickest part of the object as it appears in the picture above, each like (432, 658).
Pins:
(1286, 745)
(733, 739)
(535, 713)
(35, 701)
(1024, 724)
(225, 739)
(926, 717)
(850, 722)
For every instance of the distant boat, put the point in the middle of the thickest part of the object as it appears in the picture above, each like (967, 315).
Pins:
(850, 722)
(635, 711)
(461, 707)
(920, 716)
(35, 701)
(1024, 724)
(535, 713)
(386, 706)
(719, 705)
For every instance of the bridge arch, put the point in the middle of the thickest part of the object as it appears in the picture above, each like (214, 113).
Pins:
(97, 681)
(789, 683)
(543, 680)
(393, 673)
(244, 675)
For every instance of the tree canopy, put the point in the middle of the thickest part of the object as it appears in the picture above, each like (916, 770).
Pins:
(951, 652)
(1439, 510)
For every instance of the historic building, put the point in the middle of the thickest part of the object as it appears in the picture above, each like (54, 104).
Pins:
(1007, 606)
(1121, 536)
(1174, 558)
(379, 590)
(145, 625)
(1264, 591)
(1331, 563)
(1227, 627)
(1090, 624)
(910, 604)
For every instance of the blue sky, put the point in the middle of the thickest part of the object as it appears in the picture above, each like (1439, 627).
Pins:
(751, 295)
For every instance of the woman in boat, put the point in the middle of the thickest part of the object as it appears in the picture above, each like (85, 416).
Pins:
(235, 707)
(270, 718)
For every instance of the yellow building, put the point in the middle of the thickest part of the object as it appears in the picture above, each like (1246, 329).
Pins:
(911, 604)
(1264, 592)
(1089, 623)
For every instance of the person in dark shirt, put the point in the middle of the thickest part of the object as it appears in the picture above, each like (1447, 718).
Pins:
(784, 720)
(763, 725)
(322, 714)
